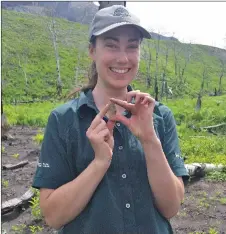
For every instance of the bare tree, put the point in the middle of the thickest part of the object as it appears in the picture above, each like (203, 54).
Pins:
(176, 52)
(187, 58)
(51, 24)
(222, 72)
(164, 85)
(22, 62)
(147, 56)
(220, 53)
(156, 89)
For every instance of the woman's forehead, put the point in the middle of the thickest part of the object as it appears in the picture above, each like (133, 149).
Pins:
(127, 31)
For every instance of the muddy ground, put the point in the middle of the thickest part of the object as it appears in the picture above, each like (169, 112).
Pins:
(204, 206)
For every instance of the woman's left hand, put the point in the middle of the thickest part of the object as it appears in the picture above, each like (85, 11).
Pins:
(141, 121)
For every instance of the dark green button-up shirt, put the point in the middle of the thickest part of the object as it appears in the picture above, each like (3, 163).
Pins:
(123, 202)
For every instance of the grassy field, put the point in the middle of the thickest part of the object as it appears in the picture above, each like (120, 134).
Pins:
(29, 65)
(196, 146)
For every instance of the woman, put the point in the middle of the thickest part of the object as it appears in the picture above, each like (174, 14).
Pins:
(116, 175)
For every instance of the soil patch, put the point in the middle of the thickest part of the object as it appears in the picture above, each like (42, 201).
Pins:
(204, 206)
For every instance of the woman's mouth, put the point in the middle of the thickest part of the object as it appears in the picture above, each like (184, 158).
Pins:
(119, 71)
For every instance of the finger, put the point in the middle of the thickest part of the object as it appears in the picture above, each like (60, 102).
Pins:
(104, 111)
(105, 134)
(99, 117)
(147, 100)
(100, 127)
(139, 98)
(130, 95)
(124, 104)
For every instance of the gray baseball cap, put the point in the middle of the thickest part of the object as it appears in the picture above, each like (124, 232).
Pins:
(112, 17)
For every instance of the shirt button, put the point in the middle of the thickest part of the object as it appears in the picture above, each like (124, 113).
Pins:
(120, 147)
(127, 205)
(123, 176)
(118, 124)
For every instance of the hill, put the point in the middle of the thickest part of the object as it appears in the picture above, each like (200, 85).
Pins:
(29, 62)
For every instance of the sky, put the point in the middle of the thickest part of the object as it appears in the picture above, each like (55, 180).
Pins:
(195, 22)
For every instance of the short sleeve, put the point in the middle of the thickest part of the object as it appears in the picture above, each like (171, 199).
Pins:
(171, 147)
(53, 168)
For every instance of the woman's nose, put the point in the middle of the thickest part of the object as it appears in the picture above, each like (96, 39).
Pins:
(122, 57)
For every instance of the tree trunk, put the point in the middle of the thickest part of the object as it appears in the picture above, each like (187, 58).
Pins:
(220, 84)
(163, 87)
(54, 40)
(200, 169)
(156, 67)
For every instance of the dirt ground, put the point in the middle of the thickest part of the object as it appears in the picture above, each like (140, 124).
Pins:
(204, 206)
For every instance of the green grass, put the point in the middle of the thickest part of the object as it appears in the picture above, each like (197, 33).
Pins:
(26, 40)
(195, 146)
(29, 114)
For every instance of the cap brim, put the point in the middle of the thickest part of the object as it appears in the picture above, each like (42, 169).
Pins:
(143, 31)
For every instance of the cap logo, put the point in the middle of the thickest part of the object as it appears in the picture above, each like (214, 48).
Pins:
(122, 12)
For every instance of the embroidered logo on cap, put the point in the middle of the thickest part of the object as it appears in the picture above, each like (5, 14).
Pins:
(121, 12)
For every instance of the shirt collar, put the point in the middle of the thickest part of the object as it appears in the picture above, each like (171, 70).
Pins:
(86, 98)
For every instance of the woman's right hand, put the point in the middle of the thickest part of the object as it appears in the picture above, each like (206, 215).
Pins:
(100, 135)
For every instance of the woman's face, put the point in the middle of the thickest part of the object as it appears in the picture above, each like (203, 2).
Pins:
(117, 55)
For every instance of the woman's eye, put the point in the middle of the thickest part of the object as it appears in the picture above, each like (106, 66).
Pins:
(111, 46)
(133, 46)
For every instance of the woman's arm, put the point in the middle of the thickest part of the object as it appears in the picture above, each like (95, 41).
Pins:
(63, 204)
(167, 188)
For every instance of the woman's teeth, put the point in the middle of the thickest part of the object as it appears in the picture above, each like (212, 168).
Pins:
(121, 71)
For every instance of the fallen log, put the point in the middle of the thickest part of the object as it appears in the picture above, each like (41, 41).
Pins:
(200, 169)
(13, 204)
(214, 126)
(14, 166)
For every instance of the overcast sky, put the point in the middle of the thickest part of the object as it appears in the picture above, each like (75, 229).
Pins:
(198, 22)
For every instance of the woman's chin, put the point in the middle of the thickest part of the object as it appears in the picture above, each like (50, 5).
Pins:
(120, 84)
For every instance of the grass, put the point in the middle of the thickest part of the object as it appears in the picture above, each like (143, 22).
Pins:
(201, 147)
(15, 155)
(27, 48)
(210, 231)
(38, 138)
(30, 114)
(5, 183)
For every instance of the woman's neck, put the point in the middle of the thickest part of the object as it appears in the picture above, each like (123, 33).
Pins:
(102, 95)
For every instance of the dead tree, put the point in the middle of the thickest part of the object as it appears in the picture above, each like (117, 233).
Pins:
(198, 103)
(222, 72)
(51, 24)
(187, 58)
(164, 85)
(175, 58)
(22, 62)
(148, 60)
(176, 52)
(156, 66)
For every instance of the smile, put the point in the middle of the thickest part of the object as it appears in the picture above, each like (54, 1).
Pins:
(120, 71)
